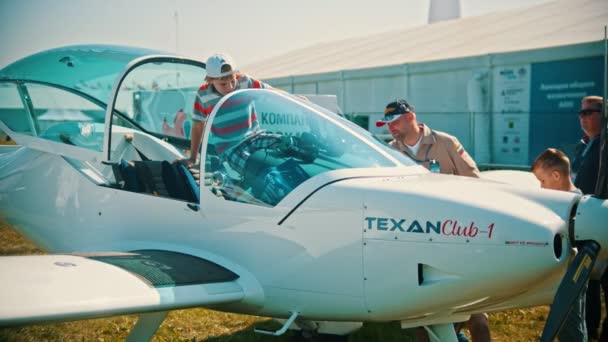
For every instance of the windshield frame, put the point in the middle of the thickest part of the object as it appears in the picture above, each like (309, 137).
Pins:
(23, 83)
(332, 117)
(363, 134)
(22, 86)
(116, 89)
(278, 161)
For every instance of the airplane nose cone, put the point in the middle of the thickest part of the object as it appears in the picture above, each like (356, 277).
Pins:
(590, 222)
(465, 243)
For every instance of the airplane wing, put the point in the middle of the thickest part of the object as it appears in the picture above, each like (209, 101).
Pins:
(46, 288)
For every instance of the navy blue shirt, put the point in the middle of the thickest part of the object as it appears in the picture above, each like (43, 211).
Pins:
(586, 164)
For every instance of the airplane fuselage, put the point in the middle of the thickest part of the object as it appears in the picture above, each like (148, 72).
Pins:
(451, 245)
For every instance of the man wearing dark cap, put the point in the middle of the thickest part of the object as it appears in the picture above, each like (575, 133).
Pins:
(432, 149)
(438, 152)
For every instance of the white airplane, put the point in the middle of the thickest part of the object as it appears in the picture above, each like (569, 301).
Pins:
(300, 215)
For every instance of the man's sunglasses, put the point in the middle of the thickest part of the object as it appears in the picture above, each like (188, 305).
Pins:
(586, 112)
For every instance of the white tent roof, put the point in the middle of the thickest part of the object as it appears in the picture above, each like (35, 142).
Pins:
(557, 23)
(64, 115)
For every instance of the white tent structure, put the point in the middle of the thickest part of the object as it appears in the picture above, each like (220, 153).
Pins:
(491, 80)
(64, 115)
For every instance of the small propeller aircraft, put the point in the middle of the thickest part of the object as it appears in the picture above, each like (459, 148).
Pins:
(293, 213)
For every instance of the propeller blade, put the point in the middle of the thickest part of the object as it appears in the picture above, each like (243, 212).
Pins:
(570, 288)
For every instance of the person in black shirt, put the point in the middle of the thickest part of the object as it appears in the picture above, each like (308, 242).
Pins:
(585, 168)
(587, 160)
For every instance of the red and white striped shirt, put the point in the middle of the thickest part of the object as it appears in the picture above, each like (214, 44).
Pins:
(207, 97)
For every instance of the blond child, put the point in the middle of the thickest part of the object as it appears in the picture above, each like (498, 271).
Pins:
(552, 169)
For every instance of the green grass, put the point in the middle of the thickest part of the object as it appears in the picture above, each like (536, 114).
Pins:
(208, 325)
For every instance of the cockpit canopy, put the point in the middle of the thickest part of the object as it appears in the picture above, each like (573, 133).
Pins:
(111, 104)
(262, 144)
(90, 69)
(63, 94)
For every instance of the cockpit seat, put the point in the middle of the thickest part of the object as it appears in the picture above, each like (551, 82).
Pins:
(185, 186)
(159, 178)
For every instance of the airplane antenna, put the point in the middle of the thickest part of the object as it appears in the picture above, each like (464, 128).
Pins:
(176, 19)
(601, 188)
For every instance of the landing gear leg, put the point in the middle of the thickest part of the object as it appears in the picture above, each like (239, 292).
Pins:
(146, 326)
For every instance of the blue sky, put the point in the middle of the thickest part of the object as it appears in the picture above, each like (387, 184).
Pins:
(248, 30)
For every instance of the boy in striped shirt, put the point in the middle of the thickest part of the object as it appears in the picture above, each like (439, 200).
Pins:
(222, 79)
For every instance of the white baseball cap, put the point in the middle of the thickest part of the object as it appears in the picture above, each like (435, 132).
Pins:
(219, 65)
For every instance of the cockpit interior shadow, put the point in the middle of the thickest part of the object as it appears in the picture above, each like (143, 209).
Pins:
(159, 178)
